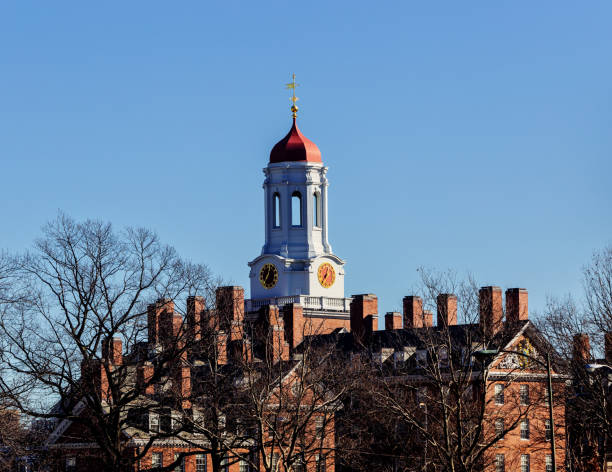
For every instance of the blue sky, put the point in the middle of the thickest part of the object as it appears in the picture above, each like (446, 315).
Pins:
(466, 135)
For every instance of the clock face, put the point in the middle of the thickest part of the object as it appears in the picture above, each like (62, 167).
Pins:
(327, 275)
(268, 276)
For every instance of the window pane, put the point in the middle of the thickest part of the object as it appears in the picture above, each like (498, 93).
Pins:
(200, 463)
(499, 427)
(156, 460)
(524, 394)
(525, 463)
(296, 209)
(500, 463)
(499, 394)
(525, 429)
(276, 213)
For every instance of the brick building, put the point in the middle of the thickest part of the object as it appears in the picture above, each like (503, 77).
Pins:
(297, 294)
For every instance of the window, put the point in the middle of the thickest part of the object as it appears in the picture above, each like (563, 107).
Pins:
(200, 463)
(524, 393)
(547, 430)
(319, 426)
(70, 464)
(180, 467)
(500, 463)
(316, 210)
(276, 210)
(524, 462)
(153, 423)
(499, 427)
(319, 463)
(525, 429)
(157, 460)
(546, 396)
(224, 464)
(421, 358)
(549, 467)
(244, 466)
(298, 465)
(499, 394)
(296, 209)
(274, 464)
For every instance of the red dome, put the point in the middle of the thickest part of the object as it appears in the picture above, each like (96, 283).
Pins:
(295, 147)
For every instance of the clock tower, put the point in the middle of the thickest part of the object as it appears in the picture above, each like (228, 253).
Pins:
(296, 264)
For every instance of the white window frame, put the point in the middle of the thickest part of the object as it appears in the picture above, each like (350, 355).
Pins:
(525, 462)
(499, 394)
(525, 433)
(524, 394)
(160, 456)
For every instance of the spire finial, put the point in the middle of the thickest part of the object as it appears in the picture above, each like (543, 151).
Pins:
(292, 86)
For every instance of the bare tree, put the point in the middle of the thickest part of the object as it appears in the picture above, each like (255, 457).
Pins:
(290, 404)
(578, 329)
(427, 401)
(78, 303)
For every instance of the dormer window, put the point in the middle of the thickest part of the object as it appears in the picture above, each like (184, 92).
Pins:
(153, 423)
(296, 209)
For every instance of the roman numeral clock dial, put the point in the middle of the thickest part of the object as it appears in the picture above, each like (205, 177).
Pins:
(268, 276)
(327, 275)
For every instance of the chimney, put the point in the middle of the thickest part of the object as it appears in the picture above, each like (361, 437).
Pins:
(154, 312)
(413, 312)
(183, 385)
(364, 315)
(427, 319)
(274, 331)
(230, 309)
(94, 373)
(608, 346)
(516, 305)
(144, 374)
(221, 351)
(112, 351)
(393, 320)
(170, 328)
(195, 315)
(447, 309)
(491, 311)
(293, 316)
(581, 348)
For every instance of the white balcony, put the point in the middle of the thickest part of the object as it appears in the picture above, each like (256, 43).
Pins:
(309, 303)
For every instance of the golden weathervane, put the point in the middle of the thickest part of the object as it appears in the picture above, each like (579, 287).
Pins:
(293, 98)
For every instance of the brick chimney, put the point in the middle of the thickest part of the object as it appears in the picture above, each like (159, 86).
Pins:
(608, 346)
(427, 319)
(447, 309)
(491, 310)
(364, 315)
(183, 385)
(112, 351)
(221, 348)
(293, 316)
(230, 310)
(195, 315)
(144, 374)
(154, 312)
(413, 312)
(93, 373)
(581, 351)
(171, 329)
(277, 348)
(393, 320)
(516, 305)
